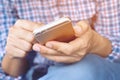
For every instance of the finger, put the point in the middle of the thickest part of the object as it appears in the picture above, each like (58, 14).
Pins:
(16, 52)
(62, 59)
(81, 53)
(83, 42)
(62, 47)
(22, 34)
(48, 51)
(84, 25)
(19, 43)
(27, 25)
(77, 30)
(81, 27)
(44, 50)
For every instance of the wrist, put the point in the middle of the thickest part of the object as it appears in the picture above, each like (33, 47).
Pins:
(93, 42)
(100, 45)
(14, 66)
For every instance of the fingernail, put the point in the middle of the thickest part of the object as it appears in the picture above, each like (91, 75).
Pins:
(49, 45)
(78, 29)
(36, 48)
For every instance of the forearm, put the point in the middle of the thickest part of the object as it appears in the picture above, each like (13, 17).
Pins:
(14, 66)
(101, 46)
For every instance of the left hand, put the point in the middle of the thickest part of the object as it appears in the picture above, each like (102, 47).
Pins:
(69, 52)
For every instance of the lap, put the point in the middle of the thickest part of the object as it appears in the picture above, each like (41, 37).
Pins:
(92, 67)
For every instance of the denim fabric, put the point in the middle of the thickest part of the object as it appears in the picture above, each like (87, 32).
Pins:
(35, 72)
(92, 67)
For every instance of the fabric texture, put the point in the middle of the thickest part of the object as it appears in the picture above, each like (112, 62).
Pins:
(92, 67)
(107, 22)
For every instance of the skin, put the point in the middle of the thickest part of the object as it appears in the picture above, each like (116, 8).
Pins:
(87, 41)
(19, 43)
(21, 33)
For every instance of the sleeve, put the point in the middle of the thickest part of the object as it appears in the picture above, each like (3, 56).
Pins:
(108, 25)
(5, 77)
(8, 17)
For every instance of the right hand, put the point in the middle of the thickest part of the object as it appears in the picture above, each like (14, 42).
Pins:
(20, 38)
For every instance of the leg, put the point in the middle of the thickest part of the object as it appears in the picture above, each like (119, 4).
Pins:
(92, 67)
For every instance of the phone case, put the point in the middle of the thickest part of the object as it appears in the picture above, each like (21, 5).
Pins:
(61, 32)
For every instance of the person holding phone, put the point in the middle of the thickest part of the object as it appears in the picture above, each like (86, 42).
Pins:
(93, 55)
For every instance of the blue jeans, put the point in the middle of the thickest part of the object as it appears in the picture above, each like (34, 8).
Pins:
(92, 67)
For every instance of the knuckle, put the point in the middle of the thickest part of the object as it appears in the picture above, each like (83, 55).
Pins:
(36, 25)
(80, 54)
(84, 44)
(8, 38)
(84, 22)
(11, 29)
(20, 54)
(7, 48)
(84, 25)
(77, 59)
(24, 34)
(18, 22)
(15, 52)
(43, 51)
(28, 46)
(19, 33)
(23, 54)
(30, 37)
(21, 23)
(71, 49)
(67, 50)
(40, 23)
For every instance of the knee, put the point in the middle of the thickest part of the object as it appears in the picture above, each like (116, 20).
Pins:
(77, 71)
(86, 69)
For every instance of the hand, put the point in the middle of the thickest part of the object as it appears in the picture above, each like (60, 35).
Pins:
(20, 38)
(69, 52)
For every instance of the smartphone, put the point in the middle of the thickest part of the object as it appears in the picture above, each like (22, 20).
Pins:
(59, 30)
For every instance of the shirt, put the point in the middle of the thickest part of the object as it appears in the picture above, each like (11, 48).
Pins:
(107, 13)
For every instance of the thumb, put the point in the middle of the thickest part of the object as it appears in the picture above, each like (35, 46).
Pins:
(77, 30)
(27, 25)
(36, 47)
(81, 27)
